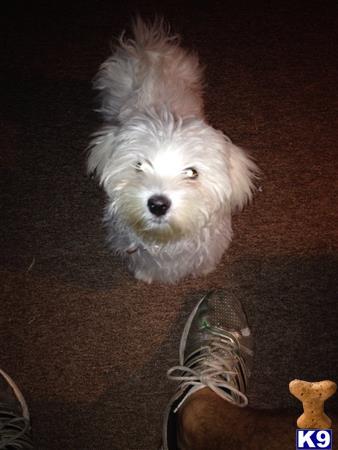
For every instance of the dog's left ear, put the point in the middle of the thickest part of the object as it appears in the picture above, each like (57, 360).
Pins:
(243, 171)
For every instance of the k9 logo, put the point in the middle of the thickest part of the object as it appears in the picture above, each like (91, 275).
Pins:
(317, 439)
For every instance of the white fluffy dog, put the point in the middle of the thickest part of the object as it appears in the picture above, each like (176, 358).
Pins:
(171, 179)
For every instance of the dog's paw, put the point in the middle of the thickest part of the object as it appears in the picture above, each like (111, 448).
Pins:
(142, 276)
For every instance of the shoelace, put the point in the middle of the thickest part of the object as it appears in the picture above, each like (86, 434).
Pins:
(217, 365)
(14, 430)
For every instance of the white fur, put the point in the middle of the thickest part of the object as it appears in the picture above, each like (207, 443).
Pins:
(151, 102)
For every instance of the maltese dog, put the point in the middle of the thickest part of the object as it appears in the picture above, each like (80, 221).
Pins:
(171, 179)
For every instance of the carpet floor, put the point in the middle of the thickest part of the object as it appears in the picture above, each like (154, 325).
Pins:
(89, 344)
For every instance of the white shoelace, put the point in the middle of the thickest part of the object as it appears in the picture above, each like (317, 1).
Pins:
(14, 429)
(216, 365)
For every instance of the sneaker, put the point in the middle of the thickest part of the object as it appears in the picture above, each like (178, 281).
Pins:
(215, 352)
(14, 416)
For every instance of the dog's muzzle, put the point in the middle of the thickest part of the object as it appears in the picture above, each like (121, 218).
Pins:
(158, 205)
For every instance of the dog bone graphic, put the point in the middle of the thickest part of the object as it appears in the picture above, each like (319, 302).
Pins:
(313, 396)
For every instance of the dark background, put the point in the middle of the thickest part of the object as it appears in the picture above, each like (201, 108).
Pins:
(90, 345)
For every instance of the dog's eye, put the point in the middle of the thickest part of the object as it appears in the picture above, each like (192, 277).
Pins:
(138, 166)
(190, 173)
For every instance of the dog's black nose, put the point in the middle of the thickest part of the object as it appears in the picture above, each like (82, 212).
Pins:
(158, 205)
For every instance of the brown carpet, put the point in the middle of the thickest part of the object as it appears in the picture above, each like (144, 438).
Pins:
(88, 343)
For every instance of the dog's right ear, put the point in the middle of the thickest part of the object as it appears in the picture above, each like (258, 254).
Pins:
(100, 151)
(243, 172)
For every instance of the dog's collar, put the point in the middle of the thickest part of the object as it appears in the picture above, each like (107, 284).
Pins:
(132, 249)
